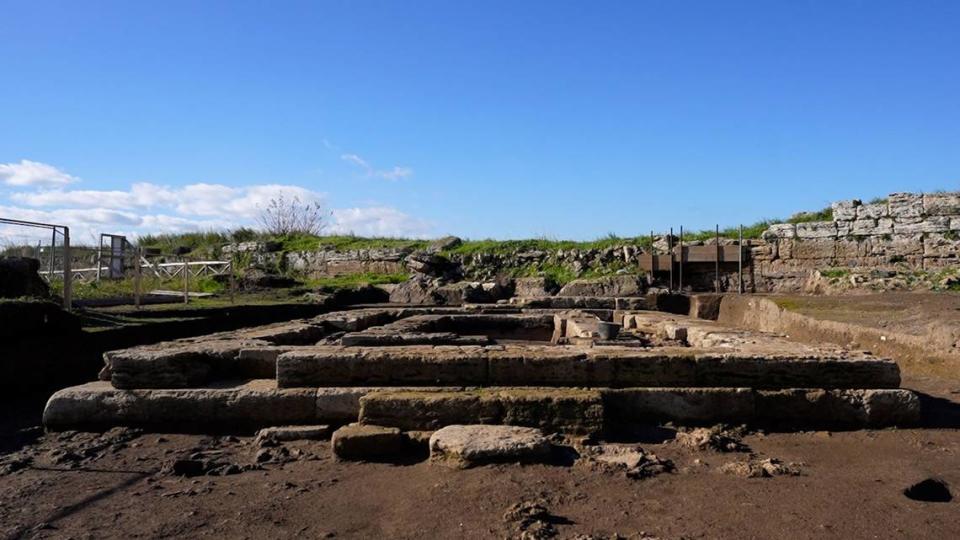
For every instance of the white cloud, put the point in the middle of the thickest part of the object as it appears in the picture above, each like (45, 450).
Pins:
(396, 173)
(33, 173)
(150, 208)
(378, 221)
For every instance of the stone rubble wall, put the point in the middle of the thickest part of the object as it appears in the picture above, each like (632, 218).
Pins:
(907, 232)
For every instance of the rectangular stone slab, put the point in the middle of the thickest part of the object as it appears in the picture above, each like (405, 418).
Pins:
(236, 407)
(540, 365)
(567, 410)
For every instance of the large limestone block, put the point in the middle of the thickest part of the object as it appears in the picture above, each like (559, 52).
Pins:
(533, 287)
(368, 443)
(293, 333)
(780, 231)
(667, 367)
(941, 204)
(181, 364)
(702, 406)
(941, 245)
(816, 408)
(772, 370)
(815, 248)
(372, 366)
(817, 229)
(873, 211)
(552, 409)
(562, 366)
(228, 407)
(609, 286)
(845, 210)
(905, 205)
(931, 224)
(889, 246)
(469, 445)
(342, 404)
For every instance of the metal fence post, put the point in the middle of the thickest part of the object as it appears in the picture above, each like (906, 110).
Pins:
(186, 283)
(136, 277)
(67, 272)
(716, 267)
(740, 263)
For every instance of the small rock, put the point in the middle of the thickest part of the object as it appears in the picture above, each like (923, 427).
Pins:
(368, 443)
(717, 439)
(761, 468)
(469, 445)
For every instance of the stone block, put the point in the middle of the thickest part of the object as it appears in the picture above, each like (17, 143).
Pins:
(356, 442)
(897, 245)
(609, 286)
(873, 211)
(837, 409)
(698, 406)
(533, 287)
(562, 366)
(815, 248)
(941, 245)
(817, 229)
(228, 407)
(932, 224)
(780, 231)
(342, 404)
(903, 205)
(470, 445)
(845, 210)
(293, 433)
(941, 204)
(181, 364)
(382, 366)
(552, 409)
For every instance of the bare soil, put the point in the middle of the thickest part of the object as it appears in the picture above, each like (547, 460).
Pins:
(851, 484)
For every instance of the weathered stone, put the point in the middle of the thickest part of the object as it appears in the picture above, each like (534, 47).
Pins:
(443, 244)
(819, 408)
(533, 287)
(845, 210)
(181, 365)
(342, 404)
(414, 291)
(780, 231)
(246, 406)
(903, 205)
(469, 445)
(692, 406)
(293, 433)
(932, 224)
(941, 204)
(817, 229)
(872, 211)
(609, 286)
(357, 442)
(941, 245)
(815, 248)
(552, 409)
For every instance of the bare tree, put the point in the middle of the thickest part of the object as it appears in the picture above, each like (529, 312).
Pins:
(284, 216)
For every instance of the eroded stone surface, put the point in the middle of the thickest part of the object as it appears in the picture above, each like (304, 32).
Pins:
(368, 443)
(469, 445)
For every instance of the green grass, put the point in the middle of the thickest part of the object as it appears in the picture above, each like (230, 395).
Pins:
(114, 288)
(355, 280)
(825, 214)
(504, 247)
(834, 272)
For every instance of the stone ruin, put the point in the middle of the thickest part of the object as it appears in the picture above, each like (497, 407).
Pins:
(584, 366)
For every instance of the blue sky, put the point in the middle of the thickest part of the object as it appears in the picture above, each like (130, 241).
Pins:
(482, 119)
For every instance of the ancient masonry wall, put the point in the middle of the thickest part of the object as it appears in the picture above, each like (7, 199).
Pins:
(907, 231)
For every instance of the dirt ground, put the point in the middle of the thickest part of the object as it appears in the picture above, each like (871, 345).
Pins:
(915, 313)
(850, 484)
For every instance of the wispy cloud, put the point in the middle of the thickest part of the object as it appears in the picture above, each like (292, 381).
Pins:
(33, 173)
(395, 173)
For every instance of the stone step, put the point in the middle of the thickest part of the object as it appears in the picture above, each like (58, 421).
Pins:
(250, 405)
(608, 366)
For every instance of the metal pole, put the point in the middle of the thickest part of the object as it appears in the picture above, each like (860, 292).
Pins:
(670, 250)
(136, 277)
(99, 257)
(67, 272)
(680, 268)
(716, 279)
(740, 262)
(53, 252)
(186, 283)
(233, 284)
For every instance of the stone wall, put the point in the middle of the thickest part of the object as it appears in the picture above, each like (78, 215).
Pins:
(904, 233)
